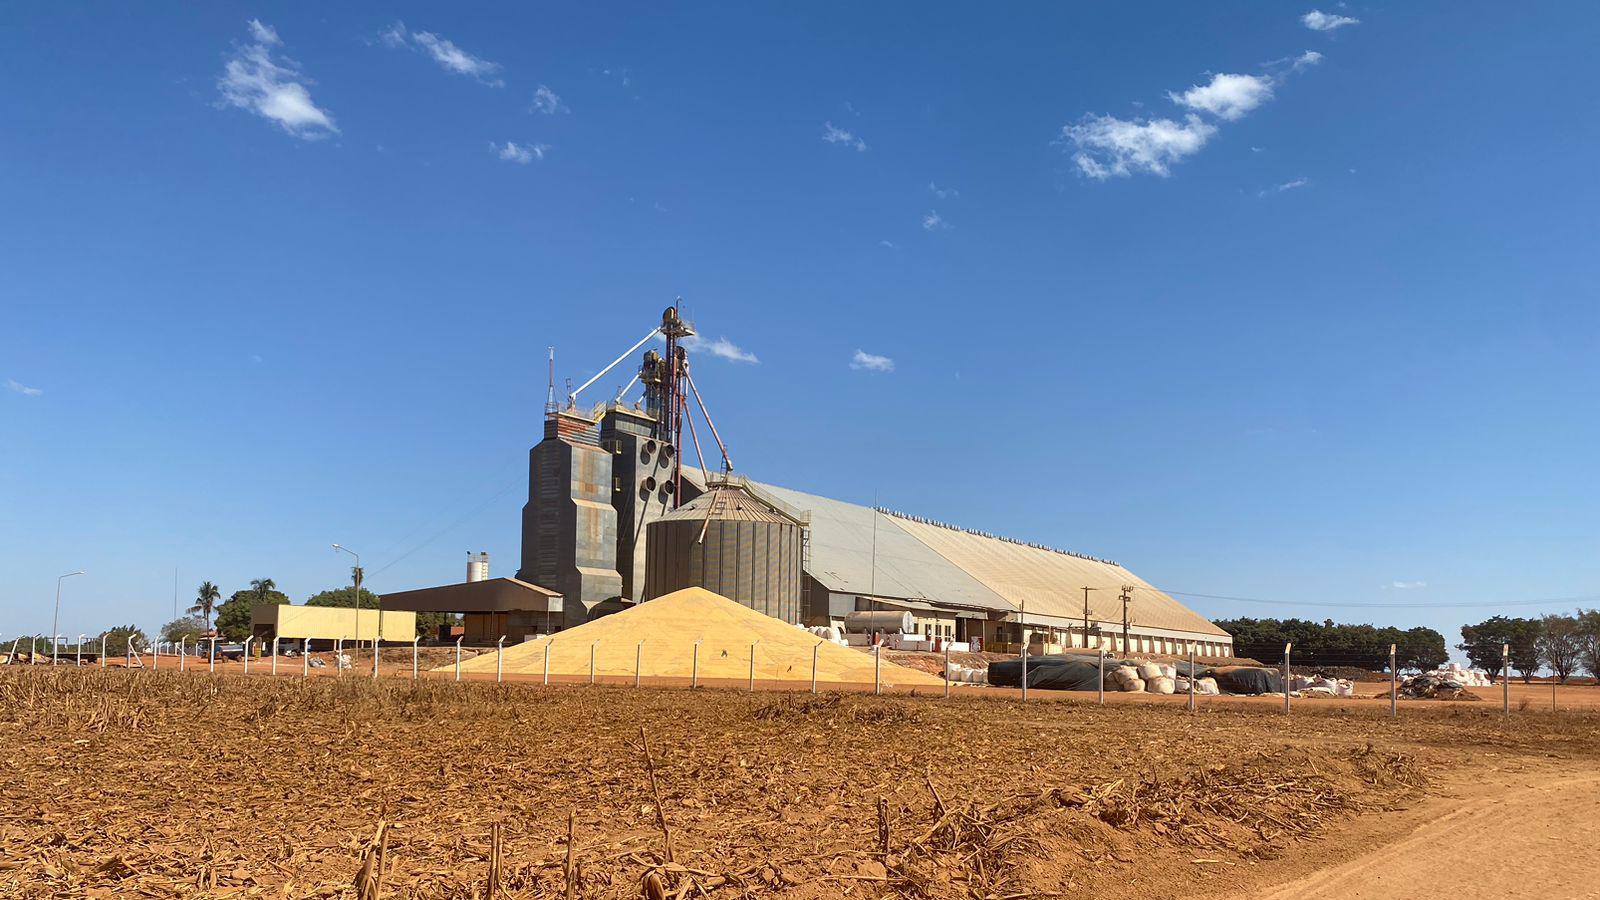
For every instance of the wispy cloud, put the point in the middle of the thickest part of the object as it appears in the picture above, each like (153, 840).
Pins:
(932, 221)
(273, 87)
(871, 362)
(444, 52)
(833, 134)
(1112, 147)
(1228, 97)
(19, 388)
(547, 101)
(1407, 585)
(945, 193)
(522, 154)
(1317, 20)
(1285, 186)
(721, 347)
(889, 244)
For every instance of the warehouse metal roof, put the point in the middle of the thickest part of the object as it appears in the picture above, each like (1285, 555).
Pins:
(942, 564)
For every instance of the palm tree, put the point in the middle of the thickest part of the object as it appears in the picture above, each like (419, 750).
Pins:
(206, 602)
(263, 587)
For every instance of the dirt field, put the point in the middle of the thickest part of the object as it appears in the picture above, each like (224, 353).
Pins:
(127, 783)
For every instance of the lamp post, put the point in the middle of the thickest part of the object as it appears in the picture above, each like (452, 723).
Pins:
(55, 623)
(356, 573)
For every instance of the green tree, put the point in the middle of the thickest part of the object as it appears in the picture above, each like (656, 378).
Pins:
(1589, 640)
(344, 597)
(192, 628)
(1560, 644)
(117, 639)
(233, 616)
(1421, 648)
(205, 602)
(1482, 643)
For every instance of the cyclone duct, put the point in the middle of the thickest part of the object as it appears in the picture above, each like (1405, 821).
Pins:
(730, 542)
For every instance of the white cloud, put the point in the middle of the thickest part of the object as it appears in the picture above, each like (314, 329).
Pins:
(547, 101)
(943, 193)
(263, 34)
(1305, 60)
(722, 347)
(1317, 20)
(932, 221)
(1285, 186)
(1407, 585)
(1228, 97)
(1109, 146)
(522, 154)
(833, 134)
(444, 52)
(889, 244)
(24, 390)
(273, 89)
(871, 362)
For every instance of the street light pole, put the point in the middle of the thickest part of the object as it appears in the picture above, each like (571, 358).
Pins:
(357, 574)
(55, 623)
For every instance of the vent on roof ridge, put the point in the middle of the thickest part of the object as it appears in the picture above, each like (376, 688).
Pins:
(998, 537)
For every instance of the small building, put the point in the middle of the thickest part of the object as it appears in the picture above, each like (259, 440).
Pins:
(330, 623)
(490, 609)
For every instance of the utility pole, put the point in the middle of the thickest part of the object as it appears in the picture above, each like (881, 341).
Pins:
(1127, 595)
(1086, 590)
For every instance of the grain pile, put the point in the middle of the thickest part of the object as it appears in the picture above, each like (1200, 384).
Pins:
(670, 625)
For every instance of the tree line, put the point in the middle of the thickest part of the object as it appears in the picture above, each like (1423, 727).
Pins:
(1565, 644)
(1328, 643)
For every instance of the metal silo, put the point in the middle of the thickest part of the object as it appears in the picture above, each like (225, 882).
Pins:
(730, 542)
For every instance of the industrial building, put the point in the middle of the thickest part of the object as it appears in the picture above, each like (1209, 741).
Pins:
(299, 624)
(615, 517)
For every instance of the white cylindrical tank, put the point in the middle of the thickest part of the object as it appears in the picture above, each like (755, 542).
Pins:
(478, 566)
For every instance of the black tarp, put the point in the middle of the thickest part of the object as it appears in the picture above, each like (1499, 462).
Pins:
(1247, 680)
(1067, 671)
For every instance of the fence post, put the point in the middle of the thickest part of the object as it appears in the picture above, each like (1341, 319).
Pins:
(1394, 686)
(1505, 680)
(1024, 666)
(305, 658)
(247, 653)
(753, 664)
(102, 651)
(638, 662)
(414, 657)
(458, 656)
(499, 659)
(947, 669)
(1288, 679)
(155, 656)
(1101, 687)
(183, 652)
(547, 642)
(877, 668)
(591, 660)
(338, 655)
(275, 640)
(377, 649)
(814, 651)
(77, 662)
(213, 654)
(1192, 678)
(694, 667)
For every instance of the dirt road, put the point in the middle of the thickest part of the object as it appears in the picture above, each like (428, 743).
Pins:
(1488, 834)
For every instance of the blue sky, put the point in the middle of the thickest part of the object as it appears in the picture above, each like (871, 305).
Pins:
(1256, 308)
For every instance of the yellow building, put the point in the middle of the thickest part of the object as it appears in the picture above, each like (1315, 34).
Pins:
(329, 623)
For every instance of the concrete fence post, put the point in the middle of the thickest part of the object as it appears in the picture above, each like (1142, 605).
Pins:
(1288, 679)
(414, 669)
(102, 651)
(877, 668)
(305, 658)
(1101, 687)
(458, 657)
(694, 666)
(183, 652)
(753, 664)
(1192, 677)
(338, 655)
(377, 647)
(155, 656)
(1505, 680)
(547, 642)
(947, 670)
(591, 660)
(275, 640)
(638, 662)
(211, 651)
(1394, 686)
(499, 659)
(247, 653)
(814, 651)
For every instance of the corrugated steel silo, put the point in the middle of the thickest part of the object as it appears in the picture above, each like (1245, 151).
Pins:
(730, 542)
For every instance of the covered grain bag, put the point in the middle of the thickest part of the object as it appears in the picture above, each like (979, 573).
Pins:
(1250, 680)
(1061, 672)
(1161, 684)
